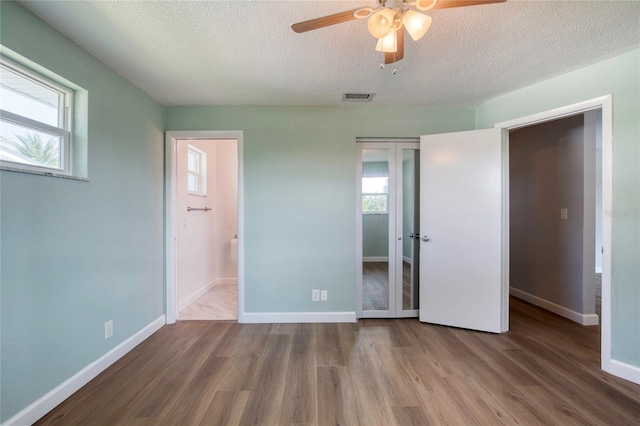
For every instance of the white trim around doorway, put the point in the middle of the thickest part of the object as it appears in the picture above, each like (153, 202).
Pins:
(171, 140)
(605, 103)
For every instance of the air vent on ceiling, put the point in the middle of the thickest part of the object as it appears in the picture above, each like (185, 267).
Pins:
(357, 97)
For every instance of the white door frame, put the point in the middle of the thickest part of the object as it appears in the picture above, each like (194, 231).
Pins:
(605, 103)
(171, 175)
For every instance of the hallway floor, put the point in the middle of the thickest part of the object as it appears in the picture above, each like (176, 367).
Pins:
(219, 303)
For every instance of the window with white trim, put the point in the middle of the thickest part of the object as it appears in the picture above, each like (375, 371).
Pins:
(375, 195)
(35, 121)
(196, 171)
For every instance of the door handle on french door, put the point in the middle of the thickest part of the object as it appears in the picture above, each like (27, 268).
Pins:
(426, 239)
(411, 235)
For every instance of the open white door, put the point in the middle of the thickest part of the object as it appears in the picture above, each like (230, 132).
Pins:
(464, 208)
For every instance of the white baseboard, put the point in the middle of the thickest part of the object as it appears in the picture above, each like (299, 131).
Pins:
(584, 319)
(375, 259)
(298, 317)
(48, 402)
(623, 370)
(406, 259)
(194, 296)
(225, 281)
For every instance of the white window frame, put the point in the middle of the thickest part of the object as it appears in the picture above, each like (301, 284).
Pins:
(65, 114)
(386, 194)
(201, 174)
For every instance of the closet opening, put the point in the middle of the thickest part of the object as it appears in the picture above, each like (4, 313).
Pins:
(388, 223)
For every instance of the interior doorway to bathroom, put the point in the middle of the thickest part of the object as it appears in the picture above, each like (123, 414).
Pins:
(204, 226)
(207, 232)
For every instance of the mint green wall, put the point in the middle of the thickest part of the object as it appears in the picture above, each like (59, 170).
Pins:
(619, 76)
(300, 192)
(76, 254)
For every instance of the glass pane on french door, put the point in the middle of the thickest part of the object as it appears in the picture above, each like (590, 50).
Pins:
(375, 230)
(410, 228)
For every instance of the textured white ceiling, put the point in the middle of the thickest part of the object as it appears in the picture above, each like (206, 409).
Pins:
(245, 53)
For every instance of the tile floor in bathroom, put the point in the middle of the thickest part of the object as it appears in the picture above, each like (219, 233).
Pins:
(219, 303)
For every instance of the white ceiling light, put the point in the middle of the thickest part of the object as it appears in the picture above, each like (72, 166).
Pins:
(416, 23)
(380, 23)
(388, 43)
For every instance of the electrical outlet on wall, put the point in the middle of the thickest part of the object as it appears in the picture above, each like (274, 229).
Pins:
(315, 295)
(324, 294)
(108, 329)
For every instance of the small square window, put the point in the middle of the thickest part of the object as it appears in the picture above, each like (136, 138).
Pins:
(375, 195)
(196, 171)
(35, 120)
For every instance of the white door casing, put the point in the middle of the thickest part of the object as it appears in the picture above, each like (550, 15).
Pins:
(171, 138)
(605, 103)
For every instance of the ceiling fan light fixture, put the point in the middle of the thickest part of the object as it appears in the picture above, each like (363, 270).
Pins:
(417, 24)
(388, 43)
(381, 22)
(425, 4)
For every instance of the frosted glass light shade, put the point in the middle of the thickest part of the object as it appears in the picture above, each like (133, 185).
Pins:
(417, 24)
(381, 22)
(388, 43)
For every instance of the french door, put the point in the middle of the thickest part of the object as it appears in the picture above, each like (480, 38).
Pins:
(388, 237)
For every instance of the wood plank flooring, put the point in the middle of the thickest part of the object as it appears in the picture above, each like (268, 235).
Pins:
(375, 372)
(375, 286)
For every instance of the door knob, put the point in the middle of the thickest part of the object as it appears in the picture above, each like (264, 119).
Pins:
(426, 239)
(411, 235)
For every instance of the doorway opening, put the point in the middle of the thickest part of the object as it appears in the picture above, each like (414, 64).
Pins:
(387, 229)
(207, 232)
(204, 226)
(556, 215)
(604, 105)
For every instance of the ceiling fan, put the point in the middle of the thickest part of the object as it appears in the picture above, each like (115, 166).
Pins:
(386, 22)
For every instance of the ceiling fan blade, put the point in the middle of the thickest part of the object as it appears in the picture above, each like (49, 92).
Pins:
(391, 57)
(325, 21)
(445, 4)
